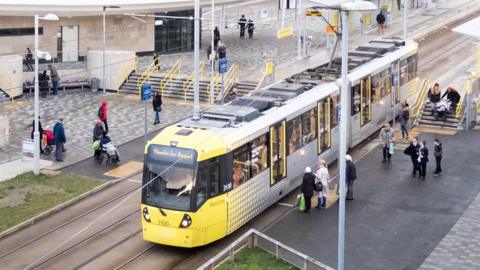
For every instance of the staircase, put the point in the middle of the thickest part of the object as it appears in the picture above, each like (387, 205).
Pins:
(175, 89)
(427, 119)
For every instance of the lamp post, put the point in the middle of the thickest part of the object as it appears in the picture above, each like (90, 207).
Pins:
(344, 7)
(104, 45)
(36, 134)
(212, 54)
(405, 9)
(196, 59)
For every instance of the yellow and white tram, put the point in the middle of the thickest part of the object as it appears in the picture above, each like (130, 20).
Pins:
(208, 177)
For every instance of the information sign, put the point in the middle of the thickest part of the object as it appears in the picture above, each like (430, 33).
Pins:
(222, 65)
(146, 91)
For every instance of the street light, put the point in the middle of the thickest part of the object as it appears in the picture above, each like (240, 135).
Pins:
(105, 44)
(344, 7)
(36, 134)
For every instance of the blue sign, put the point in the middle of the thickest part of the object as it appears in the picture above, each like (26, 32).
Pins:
(146, 91)
(395, 79)
(222, 65)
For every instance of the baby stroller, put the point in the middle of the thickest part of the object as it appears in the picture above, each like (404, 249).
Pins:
(105, 149)
(441, 110)
(48, 141)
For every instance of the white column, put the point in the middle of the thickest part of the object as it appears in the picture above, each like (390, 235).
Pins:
(212, 55)
(284, 9)
(104, 45)
(196, 59)
(36, 134)
(343, 142)
(405, 10)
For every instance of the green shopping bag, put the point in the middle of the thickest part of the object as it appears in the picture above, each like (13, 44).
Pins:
(95, 145)
(301, 203)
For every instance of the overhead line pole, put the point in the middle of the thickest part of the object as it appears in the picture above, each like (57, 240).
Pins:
(212, 54)
(196, 59)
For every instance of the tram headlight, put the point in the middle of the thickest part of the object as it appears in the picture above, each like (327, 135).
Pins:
(186, 221)
(146, 216)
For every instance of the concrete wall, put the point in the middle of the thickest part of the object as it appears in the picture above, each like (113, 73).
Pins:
(3, 131)
(11, 75)
(123, 32)
(117, 65)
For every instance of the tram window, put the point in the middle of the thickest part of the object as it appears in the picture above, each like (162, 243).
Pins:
(201, 184)
(277, 153)
(408, 69)
(214, 177)
(334, 106)
(381, 85)
(250, 160)
(309, 120)
(241, 165)
(403, 72)
(259, 155)
(294, 133)
(356, 99)
(208, 180)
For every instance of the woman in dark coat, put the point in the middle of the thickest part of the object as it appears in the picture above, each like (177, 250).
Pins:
(157, 107)
(351, 175)
(308, 186)
(43, 80)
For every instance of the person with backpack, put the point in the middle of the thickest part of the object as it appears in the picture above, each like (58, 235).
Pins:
(321, 184)
(102, 114)
(438, 152)
(351, 176)
(403, 118)
(307, 188)
(381, 23)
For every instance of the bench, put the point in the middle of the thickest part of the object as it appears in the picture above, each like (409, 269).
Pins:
(62, 85)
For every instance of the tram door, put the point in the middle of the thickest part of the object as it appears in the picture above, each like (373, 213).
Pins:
(324, 137)
(278, 159)
(365, 101)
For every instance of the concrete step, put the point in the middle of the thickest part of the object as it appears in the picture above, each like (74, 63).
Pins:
(438, 123)
(449, 119)
(435, 126)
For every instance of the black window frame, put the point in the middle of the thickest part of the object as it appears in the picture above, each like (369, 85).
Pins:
(23, 31)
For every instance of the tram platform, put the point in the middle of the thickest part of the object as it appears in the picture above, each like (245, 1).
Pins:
(395, 221)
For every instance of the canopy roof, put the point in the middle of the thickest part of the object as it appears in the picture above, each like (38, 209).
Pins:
(470, 28)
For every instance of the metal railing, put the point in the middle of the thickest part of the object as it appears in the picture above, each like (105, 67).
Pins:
(216, 81)
(253, 238)
(261, 83)
(146, 75)
(229, 80)
(420, 98)
(460, 106)
(126, 73)
(190, 80)
(174, 70)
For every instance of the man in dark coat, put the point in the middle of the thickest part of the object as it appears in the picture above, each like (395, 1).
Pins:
(157, 106)
(307, 188)
(422, 160)
(40, 131)
(242, 23)
(216, 37)
(412, 151)
(59, 134)
(250, 28)
(351, 175)
(453, 96)
(438, 153)
(43, 83)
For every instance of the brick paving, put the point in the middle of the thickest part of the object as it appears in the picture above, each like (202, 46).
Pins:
(460, 248)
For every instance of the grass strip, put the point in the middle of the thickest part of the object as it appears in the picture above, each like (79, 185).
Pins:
(255, 259)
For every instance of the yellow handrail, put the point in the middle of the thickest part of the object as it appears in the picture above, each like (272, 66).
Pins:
(126, 74)
(261, 82)
(146, 74)
(189, 81)
(174, 70)
(421, 98)
(466, 90)
(230, 79)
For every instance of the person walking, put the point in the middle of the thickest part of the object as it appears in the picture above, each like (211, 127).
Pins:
(59, 135)
(387, 137)
(351, 175)
(403, 119)
(102, 114)
(307, 188)
(381, 23)
(438, 153)
(216, 37)
(322, 177)
(98, 132)
(28, 59)
(222, 50)
(422, 160)
(55, 79)
(242, 22)
(157, 106)
(412, 151)
(250, 28)
(43, 84)
(156, 61)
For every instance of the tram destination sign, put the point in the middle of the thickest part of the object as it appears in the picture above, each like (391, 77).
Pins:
(168, 154)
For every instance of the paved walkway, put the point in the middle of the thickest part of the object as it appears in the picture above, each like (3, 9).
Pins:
(396, 221)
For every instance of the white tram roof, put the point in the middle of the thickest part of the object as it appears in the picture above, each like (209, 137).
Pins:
(250, 116)
(470, 28)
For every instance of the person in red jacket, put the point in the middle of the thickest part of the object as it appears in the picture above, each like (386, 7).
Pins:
(102, 114)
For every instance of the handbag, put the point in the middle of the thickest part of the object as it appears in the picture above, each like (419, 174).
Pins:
(301, 202)
(391, 148)
(318, 187)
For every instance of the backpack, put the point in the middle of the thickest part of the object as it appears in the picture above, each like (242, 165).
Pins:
(406, 115)
(100, 113)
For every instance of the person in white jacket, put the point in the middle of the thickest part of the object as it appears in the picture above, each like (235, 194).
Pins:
(322, 177)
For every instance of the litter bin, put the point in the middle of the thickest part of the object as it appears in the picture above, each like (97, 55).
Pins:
(94, 85)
